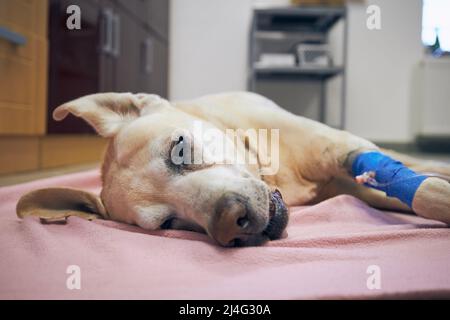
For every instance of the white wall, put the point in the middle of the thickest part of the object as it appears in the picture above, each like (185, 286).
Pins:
(380, 69)
(434, 100)
(209, 40)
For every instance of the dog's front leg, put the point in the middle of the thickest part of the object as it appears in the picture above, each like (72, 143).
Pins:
(427, 196)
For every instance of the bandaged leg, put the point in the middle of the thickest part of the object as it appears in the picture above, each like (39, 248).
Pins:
(427, 196)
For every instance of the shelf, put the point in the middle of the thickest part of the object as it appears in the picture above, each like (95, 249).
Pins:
(280, 30)
(317, 37)
(321, 74)
(303, 10)
(314, 19)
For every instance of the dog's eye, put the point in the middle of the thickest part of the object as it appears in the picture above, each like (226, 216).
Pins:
(180, 153)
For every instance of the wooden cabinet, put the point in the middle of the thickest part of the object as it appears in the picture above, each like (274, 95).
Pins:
(122, 46)
(75, 63)
(153, 13)
(23, 66)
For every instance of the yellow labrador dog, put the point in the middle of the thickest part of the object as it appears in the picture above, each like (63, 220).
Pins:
(236, 203)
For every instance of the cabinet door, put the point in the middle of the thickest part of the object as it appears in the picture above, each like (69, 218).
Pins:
(158, 16)
(153, 65)
(105, 46)
(153, 13)
(146, 61)
(161, 69)
(126, 52)
(113, 51)
(74, 60)
(23, 66)
(132, 7)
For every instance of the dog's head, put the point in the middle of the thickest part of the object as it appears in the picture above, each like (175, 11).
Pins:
(158, 174)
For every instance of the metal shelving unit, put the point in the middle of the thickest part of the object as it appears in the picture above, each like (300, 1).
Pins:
(279, 30)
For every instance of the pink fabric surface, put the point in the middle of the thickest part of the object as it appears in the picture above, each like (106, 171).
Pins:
(326, 255)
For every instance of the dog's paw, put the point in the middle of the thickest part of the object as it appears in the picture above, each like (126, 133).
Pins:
(432, 200)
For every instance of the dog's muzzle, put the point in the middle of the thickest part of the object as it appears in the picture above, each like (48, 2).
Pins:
(278, 213)
(235, 223)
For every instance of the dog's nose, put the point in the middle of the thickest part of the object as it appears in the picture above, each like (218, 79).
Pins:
(231, 219)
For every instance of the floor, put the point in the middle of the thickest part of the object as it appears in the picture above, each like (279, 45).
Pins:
(12, 179)
(443, 157)
(30, 176)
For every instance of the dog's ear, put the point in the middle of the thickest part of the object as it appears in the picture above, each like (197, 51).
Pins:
(58, 203)
(108, 112)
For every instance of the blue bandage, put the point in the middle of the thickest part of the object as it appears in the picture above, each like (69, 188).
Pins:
(392, 176)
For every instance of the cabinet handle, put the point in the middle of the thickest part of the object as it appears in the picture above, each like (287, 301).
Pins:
(116, 38)
(107, 31)
(148, 55)
(13, 37)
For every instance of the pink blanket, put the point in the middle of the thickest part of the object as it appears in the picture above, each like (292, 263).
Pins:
(340, 248)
